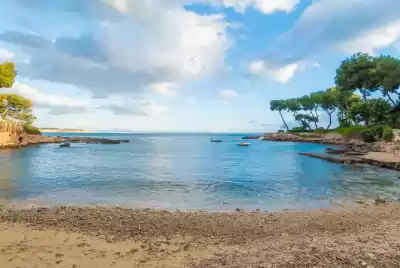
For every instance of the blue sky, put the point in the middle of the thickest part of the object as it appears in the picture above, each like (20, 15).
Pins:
(183, 65)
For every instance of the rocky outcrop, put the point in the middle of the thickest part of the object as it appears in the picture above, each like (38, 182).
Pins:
(377, 154)
(11, 135)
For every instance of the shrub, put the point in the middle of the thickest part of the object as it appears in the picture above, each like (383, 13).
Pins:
(378, 130)
(299, 130)
(281, 131)
(368, 135)
(353, 132)
(321, 130)
(29, 129)
(387, 133)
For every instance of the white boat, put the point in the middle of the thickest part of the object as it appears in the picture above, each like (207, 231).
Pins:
(243, 144)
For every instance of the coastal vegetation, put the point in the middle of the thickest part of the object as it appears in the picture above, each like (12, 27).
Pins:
(354, 99)
(15, 108)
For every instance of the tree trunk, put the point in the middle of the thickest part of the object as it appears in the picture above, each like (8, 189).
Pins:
(330, 120)
(390, 99)
(283, 119)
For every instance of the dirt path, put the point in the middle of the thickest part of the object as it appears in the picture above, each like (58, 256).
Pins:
(98, 237)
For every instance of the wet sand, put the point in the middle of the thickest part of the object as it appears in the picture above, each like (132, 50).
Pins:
(366, 236)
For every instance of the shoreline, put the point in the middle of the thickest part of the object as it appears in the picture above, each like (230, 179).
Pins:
(146, 238)
(380, 154)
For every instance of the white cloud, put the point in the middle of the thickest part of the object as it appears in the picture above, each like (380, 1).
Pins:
(151, 108)
(316, 65)
(42, 99)
(5, 55)
(229, 94)
(165, 89)
(330, 26)
(136, 50)
(123, 106)
(372, 39)
(183, 44)
(281, 74)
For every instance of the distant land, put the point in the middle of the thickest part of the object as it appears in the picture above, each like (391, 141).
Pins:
(64, 130)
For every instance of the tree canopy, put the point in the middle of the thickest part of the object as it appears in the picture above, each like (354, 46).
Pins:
(7, 74)
(359, 73)
(13, 107)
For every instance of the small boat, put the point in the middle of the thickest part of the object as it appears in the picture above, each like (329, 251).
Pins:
(243, 144)
(211, 140)
(65, 145)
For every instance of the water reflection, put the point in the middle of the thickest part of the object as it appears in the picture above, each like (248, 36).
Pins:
(187, 172)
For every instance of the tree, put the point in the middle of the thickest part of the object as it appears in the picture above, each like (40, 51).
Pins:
(17, 108)
(305, 120)
(327, 101)
(358, 73)
(388, 75)
(308, 104)
(372, 112)
(279, 105)
(7, 74)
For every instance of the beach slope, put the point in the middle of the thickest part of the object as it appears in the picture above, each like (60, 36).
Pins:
(366, 236)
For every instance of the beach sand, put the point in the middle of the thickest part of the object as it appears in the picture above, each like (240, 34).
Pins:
(366, 236)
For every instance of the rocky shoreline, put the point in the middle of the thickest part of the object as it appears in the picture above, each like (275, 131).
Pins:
(36, 140)
(380, 154)
(118, 237)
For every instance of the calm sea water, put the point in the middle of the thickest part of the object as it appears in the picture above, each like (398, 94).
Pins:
(187, 172)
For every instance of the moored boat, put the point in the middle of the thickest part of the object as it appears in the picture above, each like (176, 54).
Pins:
(244, 144)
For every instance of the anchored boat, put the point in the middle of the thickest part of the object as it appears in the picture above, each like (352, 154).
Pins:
(244, 144)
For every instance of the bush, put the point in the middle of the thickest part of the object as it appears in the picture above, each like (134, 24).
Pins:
(353, 132)
(29, 129)
(378, 130)
(299, 130)
(281, 131)
(387, 133)
(321, 130)
(368, 135)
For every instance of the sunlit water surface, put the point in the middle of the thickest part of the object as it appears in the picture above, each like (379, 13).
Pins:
(186, 172)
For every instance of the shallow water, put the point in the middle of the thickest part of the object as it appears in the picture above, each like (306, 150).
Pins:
(187, 172)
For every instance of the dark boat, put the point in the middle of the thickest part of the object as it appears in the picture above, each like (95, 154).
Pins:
(211, 140)
(65, 145)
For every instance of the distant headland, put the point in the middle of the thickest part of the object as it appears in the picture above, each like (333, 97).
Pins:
(64, 130)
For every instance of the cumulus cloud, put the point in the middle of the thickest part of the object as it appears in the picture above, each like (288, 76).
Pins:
(166, 89)
(130, 54)
(331, 25)
(264, 6)
(281, 74)
(62, 104)
(5, 55)
(328, 26)
(121, 106)
(56, 103)
(228, 94)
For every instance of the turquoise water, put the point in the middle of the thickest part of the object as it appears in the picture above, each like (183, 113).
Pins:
(186, 172)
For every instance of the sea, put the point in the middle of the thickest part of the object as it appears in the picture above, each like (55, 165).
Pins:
(186, 172)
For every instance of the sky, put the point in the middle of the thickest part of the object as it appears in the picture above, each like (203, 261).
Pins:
(183, 65)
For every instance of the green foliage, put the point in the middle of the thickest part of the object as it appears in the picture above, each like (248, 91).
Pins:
(17, 108)
(299, 130)
(29, 129)
(279, 105)
(388, 134)
(372, 112)
(358, 73)
(352, 131)
(281, 131)
(368, 135)
(7, 74)
(388, 73)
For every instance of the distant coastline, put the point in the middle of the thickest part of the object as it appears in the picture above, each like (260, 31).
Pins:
(64, 130)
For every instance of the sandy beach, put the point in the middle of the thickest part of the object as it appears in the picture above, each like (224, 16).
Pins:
(366, 236)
